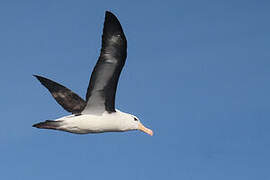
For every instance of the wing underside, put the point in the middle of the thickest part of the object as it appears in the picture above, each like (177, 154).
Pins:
(102, 87)
(69, 100)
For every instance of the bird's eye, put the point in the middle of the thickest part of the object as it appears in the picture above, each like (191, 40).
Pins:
(135, 119)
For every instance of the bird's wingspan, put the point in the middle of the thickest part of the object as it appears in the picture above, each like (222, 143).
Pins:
(70, 101)
(102, 87)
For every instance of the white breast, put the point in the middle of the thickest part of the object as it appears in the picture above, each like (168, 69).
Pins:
(87, 123)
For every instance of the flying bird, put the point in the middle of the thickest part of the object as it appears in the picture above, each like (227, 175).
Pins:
(96, 114)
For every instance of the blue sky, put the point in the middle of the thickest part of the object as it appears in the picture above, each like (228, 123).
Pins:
(197, 73)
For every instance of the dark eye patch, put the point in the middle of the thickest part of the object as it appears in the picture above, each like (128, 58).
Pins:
(135, 119)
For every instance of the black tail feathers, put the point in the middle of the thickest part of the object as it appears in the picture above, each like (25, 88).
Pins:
(48, 125)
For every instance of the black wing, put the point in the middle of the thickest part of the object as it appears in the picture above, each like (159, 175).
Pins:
(70, 101)
(101, 91)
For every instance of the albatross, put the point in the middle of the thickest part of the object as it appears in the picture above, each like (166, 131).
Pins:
(96, 114)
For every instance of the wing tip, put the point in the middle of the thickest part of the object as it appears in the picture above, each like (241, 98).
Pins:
(38, 77)
(44, 81)
(112, 25)
(109, 14)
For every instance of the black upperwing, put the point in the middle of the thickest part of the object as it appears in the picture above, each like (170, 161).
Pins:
(70, 101)
(102, 87)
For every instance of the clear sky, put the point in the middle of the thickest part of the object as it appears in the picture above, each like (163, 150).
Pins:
(197, 73)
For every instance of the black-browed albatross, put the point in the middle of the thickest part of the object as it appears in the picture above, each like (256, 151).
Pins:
(97, 114)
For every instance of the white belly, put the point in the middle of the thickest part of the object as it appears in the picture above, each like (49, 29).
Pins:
(85, 123)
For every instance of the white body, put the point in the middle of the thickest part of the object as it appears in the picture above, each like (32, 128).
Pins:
(106, 122)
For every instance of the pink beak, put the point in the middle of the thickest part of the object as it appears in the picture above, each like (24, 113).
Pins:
(144, 129)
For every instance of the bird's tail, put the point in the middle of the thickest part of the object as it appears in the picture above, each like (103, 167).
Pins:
(49, 124)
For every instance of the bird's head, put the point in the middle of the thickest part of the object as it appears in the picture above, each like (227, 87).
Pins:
(137, 125)
(130, 122)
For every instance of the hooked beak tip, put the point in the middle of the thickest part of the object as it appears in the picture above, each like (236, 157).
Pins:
(145, 130)
(151, 133)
